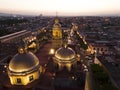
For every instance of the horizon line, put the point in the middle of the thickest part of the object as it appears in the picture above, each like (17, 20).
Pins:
(25, 14)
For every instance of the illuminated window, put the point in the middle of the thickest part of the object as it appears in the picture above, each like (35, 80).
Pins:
(18, 80)
(31, 78)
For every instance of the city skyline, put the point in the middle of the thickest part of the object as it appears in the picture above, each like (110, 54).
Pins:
(63, 7)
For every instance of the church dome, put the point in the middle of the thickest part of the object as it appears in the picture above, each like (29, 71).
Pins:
(57, 24)
(56, 20)
(23, 62)
(65, 54)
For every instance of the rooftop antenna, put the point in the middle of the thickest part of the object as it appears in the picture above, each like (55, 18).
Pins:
(56, 20)
(56, 14)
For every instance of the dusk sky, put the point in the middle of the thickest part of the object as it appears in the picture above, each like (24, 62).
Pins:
(63, 7)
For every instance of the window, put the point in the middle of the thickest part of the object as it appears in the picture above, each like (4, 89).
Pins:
(101, 49)
(98, 49)
(18, 80)
(31, 78)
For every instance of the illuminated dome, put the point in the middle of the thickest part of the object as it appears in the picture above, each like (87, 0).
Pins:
(24, 68)
(57, 24)
(56, 20)
(23, 62)
(65, 53)
(65, 57)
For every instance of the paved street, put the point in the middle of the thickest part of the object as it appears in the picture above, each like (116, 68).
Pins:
(43, 53)
(90, 80)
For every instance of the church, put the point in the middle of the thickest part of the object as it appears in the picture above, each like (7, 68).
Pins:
(24, 68)
(27, 69)
(64, 57)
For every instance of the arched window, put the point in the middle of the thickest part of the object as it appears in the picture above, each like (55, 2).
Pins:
(18, 80)
(31, 78)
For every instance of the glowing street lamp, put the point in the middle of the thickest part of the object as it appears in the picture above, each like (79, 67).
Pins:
(73, 77)
(5, 66)
(95, 53)
(52, 51)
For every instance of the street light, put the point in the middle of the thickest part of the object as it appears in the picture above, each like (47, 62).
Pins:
(52, 51)
(95, 53)
(5, 66)
(73, 77)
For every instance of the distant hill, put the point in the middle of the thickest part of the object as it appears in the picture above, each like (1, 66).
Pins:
(14, 15)
(5, 14)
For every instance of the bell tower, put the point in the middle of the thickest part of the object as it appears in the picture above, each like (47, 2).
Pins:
(56, 34)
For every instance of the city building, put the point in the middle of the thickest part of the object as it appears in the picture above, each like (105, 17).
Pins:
(15, 37)
(100, 49)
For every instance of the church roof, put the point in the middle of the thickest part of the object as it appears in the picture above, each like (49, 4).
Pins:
(23, 62)
(65, 54)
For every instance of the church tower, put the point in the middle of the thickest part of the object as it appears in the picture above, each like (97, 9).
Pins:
(56, 34)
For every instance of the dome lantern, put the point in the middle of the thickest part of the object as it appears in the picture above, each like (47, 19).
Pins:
(21, 50)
